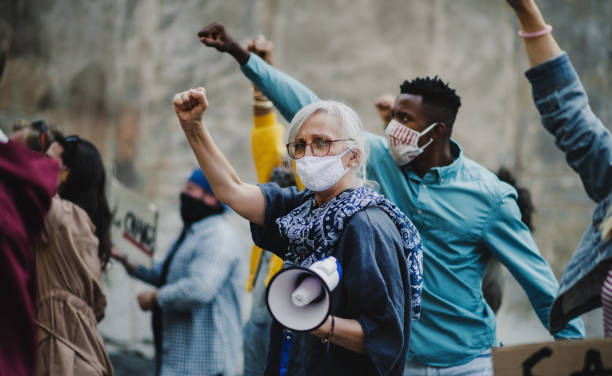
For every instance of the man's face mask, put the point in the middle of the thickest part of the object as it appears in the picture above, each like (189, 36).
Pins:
(404, 142)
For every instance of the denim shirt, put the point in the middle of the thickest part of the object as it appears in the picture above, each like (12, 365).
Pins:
(457, 209)
(587, 144)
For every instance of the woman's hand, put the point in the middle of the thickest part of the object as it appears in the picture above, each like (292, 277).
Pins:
(190, 106)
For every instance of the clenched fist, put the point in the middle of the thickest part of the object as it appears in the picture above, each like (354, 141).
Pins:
(190, 105)
(215, 35)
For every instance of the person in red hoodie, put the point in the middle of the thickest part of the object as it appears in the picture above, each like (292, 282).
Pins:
(27, 182)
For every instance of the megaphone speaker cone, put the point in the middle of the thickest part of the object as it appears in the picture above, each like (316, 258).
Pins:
(298, 299)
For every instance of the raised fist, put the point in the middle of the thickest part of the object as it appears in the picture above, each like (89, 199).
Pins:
(190, 105)
(262, 48)
(215, 35)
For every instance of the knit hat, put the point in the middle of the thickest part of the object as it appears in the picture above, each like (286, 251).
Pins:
(197, 177)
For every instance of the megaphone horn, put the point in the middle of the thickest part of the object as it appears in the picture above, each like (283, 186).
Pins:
(300, 298)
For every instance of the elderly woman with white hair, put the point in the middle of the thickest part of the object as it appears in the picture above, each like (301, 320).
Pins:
(378, 248)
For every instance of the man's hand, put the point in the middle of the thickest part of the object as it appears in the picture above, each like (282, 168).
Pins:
(384, 105)
(215, 35)
(190, 106)
(147, 300)
(262, 48)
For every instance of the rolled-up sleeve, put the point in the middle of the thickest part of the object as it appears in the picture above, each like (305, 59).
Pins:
(279, 202)
(371, 246)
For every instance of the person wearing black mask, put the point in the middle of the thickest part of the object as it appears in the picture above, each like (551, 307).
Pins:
(196, 306)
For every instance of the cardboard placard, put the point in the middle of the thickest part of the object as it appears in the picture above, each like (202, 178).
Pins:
(561, 358)
(134, 224)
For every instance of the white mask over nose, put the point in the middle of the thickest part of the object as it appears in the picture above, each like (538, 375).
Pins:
(320, 173)
(404, 142)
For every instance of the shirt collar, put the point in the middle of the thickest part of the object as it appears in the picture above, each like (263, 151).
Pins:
(437, 175)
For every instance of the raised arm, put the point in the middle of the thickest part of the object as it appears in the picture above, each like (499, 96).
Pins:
(287, 94)
(564, 106)
(539, 49)
(245, 199)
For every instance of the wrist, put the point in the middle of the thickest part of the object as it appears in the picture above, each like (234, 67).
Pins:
(329, 335)
(240, 54)
(530, 18)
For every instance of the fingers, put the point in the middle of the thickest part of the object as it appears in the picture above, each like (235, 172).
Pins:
(198, 97)
(212, 43)
(188, 100)
(213, 35)
(212, 30)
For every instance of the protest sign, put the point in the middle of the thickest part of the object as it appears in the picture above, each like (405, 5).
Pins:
(562, 358)
(134, 224)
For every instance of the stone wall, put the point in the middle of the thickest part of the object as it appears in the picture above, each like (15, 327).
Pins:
(107, 70)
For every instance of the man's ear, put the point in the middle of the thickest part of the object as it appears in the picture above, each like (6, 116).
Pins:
(440, 130)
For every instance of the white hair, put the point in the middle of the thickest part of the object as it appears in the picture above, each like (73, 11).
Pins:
(349, 127)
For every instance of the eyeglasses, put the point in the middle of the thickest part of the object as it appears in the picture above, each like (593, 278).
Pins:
(319, 147)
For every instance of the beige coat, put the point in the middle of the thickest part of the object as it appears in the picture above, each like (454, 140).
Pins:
(70, 296)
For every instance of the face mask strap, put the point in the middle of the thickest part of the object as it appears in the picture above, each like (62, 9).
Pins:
(429, 128)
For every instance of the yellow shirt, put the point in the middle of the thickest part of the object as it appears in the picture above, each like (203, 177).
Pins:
(268, 153)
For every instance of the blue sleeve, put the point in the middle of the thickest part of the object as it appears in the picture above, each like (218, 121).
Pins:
(510, 241)
(371, 246)
(211, 263)
(287, 94)
(579, 133)
(279, 202)
(151, 276)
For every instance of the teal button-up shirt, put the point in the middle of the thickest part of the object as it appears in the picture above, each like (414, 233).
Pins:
(464, 214)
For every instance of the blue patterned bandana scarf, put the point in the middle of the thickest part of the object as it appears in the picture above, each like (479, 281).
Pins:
(312, 232)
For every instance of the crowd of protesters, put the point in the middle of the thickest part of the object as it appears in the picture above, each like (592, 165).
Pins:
(418, 229)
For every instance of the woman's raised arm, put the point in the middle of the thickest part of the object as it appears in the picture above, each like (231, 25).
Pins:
(245, 199)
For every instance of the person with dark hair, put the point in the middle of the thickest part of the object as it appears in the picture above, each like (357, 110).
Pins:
(198, 288)
(464, 213)
(85, 186)
(564, 108)
(70, 258)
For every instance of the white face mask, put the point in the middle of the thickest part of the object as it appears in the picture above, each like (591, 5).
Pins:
(320, 173)
(404, 142)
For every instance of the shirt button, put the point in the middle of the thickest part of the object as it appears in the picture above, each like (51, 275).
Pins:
(420, 211)
(424, 186)
(288, 338)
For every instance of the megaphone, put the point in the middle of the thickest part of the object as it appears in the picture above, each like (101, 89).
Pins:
(300, 298)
